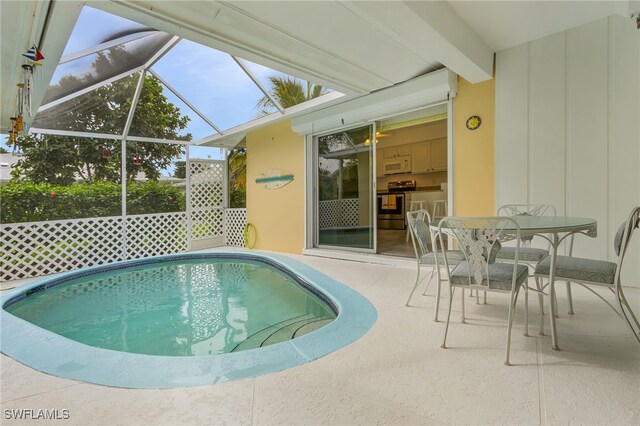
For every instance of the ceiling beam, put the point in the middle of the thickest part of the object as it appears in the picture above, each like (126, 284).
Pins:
(162, 51)
(92, 135)
(134, 104)
(102, 46)
(88, 89)
(257, 82)
(186, 102)
(430, 29)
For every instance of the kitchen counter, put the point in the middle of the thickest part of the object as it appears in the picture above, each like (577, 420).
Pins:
(428, 188)
(428, 197)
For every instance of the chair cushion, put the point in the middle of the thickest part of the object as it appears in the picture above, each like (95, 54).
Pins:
(422, 232)
(500, 275)
(580, 269)
(453, 256)
(526, 254)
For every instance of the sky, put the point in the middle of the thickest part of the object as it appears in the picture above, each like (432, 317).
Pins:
(208, 79)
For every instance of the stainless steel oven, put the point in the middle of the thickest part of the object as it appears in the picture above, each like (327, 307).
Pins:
(391, 218)
(394, 217)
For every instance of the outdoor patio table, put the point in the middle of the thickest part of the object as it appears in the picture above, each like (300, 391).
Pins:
(554, 229)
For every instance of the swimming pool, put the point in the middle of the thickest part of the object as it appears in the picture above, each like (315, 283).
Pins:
(180, 307)
(181, 320)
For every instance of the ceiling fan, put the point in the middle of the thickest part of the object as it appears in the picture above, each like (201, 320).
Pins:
(379, 135)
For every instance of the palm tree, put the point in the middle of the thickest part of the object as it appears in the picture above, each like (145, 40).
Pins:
(238, 168)
(288, 91)
(238, 177)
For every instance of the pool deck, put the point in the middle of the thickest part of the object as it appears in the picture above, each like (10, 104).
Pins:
(395, 374)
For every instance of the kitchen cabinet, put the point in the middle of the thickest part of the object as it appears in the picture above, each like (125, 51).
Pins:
(439, 161)
(396, 151)
(430, 156)
(420, 158)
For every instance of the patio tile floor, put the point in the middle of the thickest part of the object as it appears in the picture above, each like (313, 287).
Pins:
(397, 373)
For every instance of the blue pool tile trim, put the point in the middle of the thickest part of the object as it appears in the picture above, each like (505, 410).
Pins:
(63, 357)
(160, 259)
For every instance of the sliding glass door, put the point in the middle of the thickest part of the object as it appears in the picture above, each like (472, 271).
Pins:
(344, 189)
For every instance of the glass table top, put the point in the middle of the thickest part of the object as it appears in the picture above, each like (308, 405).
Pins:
(546, 224)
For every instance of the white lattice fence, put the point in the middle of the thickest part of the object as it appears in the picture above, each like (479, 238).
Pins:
(235, 220)
(155, 234)
(207, 198)
(42, 248)
(207, 223)
(338, 213)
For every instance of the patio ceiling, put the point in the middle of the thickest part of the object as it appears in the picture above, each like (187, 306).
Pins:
(504, 24)
(353, 47)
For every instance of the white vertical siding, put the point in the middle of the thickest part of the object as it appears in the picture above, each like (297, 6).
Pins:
(512, 104)
(568, 129)
(546, 183)
(587, 139)
(624, 133)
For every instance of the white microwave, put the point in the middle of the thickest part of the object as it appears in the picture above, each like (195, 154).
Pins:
(396, 165)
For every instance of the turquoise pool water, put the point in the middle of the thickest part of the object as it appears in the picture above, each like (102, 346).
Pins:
(184, 307)
(207, 304)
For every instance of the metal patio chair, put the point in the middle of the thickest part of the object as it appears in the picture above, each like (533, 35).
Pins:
(532, 256)
(422, 237)
(479, 240)
(600, 273)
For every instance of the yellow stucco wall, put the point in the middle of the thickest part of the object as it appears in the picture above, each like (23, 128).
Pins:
(278, 215)
(474, 151)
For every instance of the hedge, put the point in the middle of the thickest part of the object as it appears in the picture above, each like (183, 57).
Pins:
(30, 202)
(238, 198)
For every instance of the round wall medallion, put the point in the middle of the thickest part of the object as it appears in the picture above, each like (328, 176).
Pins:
(473, 122)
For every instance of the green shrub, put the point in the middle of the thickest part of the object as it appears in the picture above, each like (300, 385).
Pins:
(30, 202)
(153, 197)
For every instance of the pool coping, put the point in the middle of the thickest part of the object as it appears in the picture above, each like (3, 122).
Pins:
(57, 355)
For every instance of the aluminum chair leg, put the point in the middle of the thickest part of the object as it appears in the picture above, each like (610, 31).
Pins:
(541, 303)
(426, 287)
(540, 294)
(462, 308)
(526, 310)
(512, 308)
(433, 272)
(569, 298)
(554, 301)
(431, 275)
(477, 297)
(435, 314)
(446, 327)
(485, 298)
(414, 286)
(628, 315)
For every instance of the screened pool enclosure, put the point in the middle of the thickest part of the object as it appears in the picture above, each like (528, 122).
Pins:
(129, 127)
